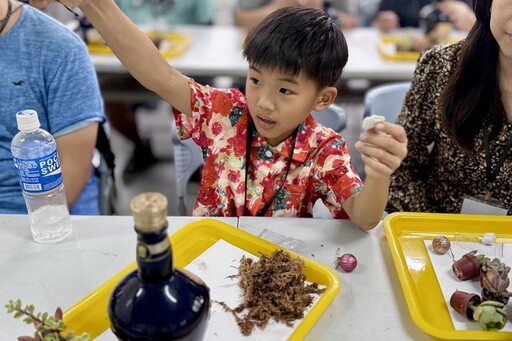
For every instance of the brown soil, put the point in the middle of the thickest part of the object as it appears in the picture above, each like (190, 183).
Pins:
(273, 288)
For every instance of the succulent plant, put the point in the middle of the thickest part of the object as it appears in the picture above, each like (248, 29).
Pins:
(48, 328)
(491, 315)
(488, 263)
(495, 284)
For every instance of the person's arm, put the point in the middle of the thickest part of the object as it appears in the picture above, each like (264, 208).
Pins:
(75, 153)
(136, 51)
(382, 150)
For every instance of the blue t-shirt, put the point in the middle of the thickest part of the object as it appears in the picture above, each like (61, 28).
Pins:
(45, 67)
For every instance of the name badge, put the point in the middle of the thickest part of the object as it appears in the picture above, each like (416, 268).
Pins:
(482, 205)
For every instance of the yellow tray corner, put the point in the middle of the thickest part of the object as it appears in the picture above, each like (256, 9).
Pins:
(90, 313)
(406, 233)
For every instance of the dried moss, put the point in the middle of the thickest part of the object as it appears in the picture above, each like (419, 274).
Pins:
(273, 288)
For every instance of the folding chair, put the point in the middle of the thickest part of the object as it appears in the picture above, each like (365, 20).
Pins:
(385, 100)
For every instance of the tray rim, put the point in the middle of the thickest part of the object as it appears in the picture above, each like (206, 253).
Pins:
(77, 322)
(403, 271)
(182, 43)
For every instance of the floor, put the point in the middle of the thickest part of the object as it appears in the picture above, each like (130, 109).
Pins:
(156, 125)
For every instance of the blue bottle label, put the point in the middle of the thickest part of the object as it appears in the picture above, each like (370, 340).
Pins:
(39, 175)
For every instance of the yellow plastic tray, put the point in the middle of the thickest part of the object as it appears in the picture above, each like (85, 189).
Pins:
(90, 314)
(406, 233)
(178, 43)
(387, 40)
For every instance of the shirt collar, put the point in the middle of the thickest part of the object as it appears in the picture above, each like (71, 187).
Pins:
(302, 145)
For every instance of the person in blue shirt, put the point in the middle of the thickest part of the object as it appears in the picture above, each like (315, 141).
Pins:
(46, 67)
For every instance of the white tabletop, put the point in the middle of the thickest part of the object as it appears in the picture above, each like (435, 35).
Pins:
(370, 305)
(217, 51)
(61, 274)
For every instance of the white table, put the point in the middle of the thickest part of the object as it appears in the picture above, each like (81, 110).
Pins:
(217, 51)
(61, 274)
(370, 305)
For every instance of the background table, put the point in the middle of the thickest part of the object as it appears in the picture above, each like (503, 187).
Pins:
(217, 51)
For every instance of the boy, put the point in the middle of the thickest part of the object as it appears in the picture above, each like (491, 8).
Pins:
(264, 153)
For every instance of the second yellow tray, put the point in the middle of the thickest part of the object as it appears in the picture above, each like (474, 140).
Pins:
(172, 44)
(90, 314)
(406, 233)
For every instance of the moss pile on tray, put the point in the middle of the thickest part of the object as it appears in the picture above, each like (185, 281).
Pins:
(273, 288)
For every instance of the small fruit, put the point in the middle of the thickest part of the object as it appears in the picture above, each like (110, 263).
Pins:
(347, 262)
(441, 244)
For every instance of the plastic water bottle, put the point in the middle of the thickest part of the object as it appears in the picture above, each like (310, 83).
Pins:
(37, 163)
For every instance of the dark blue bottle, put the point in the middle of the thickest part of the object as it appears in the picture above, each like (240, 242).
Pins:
(157, 301)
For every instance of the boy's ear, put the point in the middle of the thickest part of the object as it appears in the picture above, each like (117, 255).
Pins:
(325, 98)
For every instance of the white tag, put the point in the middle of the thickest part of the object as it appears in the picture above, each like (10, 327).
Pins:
(477, 205)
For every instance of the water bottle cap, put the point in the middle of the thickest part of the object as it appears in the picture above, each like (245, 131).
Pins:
(27, 120)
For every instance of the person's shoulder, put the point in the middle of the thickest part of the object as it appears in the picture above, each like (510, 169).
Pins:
(49, 30)
(441, 53)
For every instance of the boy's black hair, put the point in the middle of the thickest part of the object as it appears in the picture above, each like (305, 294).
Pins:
(297, 39)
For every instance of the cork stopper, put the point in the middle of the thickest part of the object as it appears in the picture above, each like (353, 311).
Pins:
(149, 211)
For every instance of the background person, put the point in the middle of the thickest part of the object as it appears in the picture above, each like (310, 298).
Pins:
(249, 13)
(46, 67)
(460, 104)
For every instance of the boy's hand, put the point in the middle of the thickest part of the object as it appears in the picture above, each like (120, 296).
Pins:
(382, 149)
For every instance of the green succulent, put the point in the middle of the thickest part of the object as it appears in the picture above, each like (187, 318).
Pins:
(488, 263)
(48, 328)
(491, 315)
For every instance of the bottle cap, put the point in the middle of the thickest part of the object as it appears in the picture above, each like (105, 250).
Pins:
(149, 211)
(27, 120)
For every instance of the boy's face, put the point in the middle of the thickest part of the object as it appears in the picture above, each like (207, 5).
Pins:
(279, 102)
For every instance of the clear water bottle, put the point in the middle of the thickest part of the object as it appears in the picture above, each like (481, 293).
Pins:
(157, 301)
(37, 163)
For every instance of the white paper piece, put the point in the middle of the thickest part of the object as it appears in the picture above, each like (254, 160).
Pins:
(214, 266)
(449, 283)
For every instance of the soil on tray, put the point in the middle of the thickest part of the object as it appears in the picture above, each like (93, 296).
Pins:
(273, 288)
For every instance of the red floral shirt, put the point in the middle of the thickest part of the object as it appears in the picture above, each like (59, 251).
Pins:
(320, 167)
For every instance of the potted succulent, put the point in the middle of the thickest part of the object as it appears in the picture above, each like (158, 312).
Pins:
(488, 263)
(465, 303)
(495, 284)
(468, 266)
(489, 314)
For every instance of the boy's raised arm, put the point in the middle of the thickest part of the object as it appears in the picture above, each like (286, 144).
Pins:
(136, 51)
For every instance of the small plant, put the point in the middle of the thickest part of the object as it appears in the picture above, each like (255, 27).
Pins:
(489, 314)
(495, 284)
(48, 328)
(488, 263)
